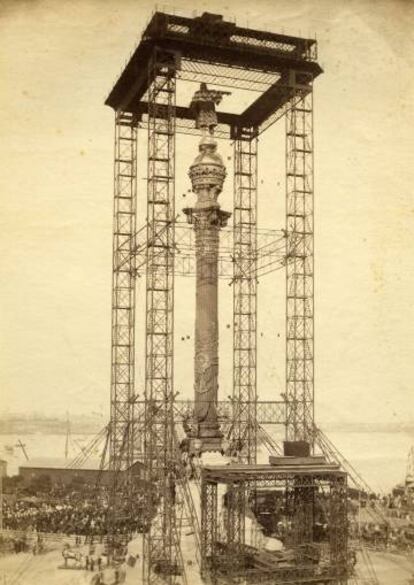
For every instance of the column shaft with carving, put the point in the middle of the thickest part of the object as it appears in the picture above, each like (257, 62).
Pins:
(207, 175)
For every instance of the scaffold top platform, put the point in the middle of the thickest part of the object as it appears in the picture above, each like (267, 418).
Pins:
(209, 49)
(234, 473)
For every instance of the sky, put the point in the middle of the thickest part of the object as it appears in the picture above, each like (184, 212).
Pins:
(59, 60)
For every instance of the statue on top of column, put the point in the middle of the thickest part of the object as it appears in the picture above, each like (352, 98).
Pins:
(207, 173)
(203, 105)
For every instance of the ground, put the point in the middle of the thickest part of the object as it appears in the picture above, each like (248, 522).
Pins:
(393, 569)
(26, 569)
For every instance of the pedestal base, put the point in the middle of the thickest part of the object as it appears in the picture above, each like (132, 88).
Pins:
(205, 444)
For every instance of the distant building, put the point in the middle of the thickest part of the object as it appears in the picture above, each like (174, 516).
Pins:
(60, 471)
(3, 468)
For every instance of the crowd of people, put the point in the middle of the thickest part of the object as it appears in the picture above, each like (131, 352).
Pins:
(382, 536)
(68, 518)
(397, 505)
(87, 512)
(384, 522)
(82, 513)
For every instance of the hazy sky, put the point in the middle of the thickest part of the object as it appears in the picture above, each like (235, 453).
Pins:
(58, 61)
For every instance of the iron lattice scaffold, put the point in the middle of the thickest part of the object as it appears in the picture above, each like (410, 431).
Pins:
(245, 295)
(299, 271)
(122, 414)
(312, 501)
(279, 71)
(161, 545)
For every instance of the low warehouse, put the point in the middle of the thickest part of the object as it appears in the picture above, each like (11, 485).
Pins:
(59, 470)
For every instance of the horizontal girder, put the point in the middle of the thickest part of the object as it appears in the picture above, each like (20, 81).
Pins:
(270, 255)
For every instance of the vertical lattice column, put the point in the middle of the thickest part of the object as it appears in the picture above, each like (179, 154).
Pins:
(338, 529)
(209, 523)
(245, 295)
(304, 490)
(299, 271)
(235, 528)
(123, 293)
(160, 543)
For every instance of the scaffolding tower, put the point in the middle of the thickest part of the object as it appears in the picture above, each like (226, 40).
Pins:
(245, 294)
(160, 542)
(122, 413)
(299, 269)
(278, 71)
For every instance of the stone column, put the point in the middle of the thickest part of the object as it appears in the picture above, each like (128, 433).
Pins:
(207, 175)
(206, 361)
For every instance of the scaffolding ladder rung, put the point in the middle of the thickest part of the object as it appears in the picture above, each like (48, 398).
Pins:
(163, 89)
(300, 233)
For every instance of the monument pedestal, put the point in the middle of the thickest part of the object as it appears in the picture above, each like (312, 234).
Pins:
(205, 445)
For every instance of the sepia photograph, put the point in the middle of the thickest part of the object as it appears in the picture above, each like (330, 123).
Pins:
(206, 299)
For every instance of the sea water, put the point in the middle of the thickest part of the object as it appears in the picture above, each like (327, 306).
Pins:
(380, 457)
